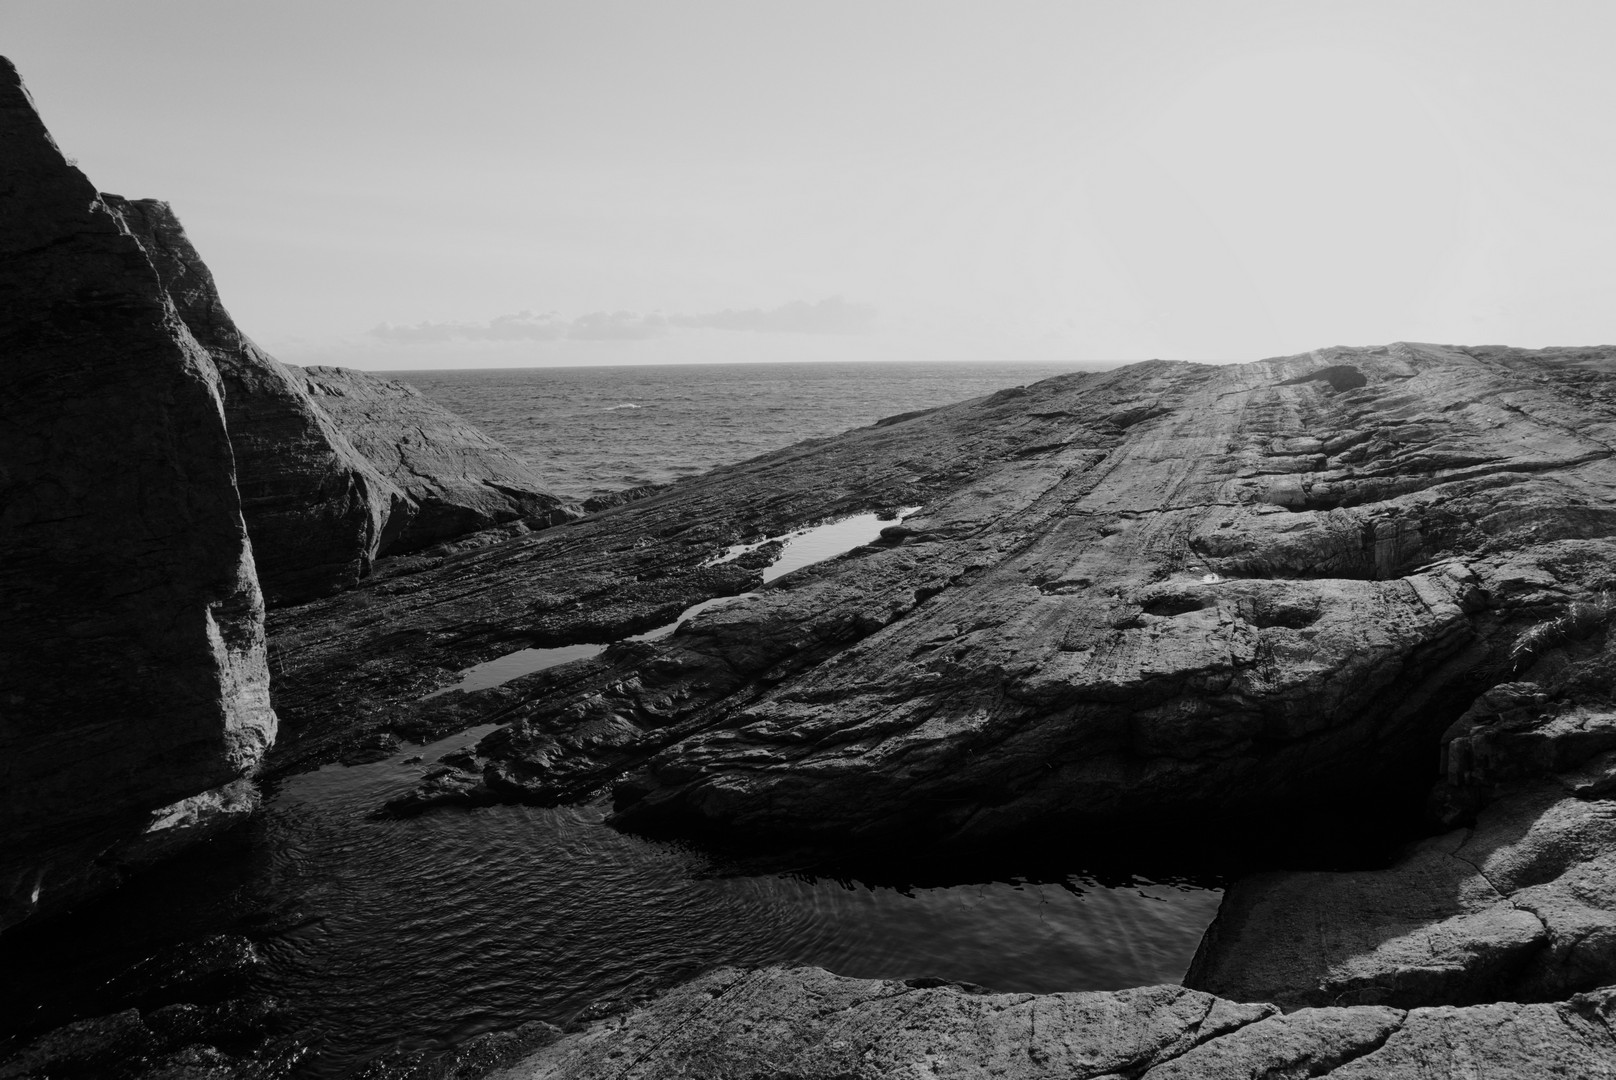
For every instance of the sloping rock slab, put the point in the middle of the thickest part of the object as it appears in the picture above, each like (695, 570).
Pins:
(1159, 591)
(132, 654)
(808, 1024)
(1162, 590)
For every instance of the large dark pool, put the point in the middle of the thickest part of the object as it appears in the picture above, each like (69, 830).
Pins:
(387, 934)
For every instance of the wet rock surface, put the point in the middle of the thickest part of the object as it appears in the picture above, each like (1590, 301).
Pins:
(132, 653)
(807, 1023)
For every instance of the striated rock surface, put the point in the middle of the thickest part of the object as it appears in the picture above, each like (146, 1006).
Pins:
(454, 478)
(315, 508)
(1166, 590)
(132, 656)
(809, 1024)
(1270, 592)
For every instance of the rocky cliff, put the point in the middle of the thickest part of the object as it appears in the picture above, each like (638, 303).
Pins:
(316, 509)
(132, 662)
(336, 468)
(154, 463)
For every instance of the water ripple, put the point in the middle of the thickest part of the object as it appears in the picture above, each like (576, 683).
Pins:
(440, 926)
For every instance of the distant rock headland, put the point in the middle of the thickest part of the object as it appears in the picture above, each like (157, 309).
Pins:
(1343, 616)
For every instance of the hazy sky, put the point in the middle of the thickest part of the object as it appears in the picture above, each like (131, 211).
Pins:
(389, 184)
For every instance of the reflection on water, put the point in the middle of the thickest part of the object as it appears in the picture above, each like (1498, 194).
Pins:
(419, 933)
(804, 547)
(513, 665)
(801, 548)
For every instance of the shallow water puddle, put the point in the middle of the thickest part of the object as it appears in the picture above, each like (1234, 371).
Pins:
(381, 934)
(687, 614)
(502, 669)
(425, 931)
(804, 547)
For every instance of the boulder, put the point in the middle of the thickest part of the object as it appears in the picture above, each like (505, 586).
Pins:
(132, 653)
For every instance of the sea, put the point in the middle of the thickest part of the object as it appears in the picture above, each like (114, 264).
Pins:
(382, 935)
(592, 430)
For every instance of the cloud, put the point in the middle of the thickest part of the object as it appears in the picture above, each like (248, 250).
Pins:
(830, 316)
(523, 326)
(617, 326)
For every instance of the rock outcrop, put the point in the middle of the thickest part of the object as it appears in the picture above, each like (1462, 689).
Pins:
(132, 655)
(336, 468)
(316, 509)
(1163, 591)
(454, 479)
(1518, 903)
(809, 1024)
(153, 463)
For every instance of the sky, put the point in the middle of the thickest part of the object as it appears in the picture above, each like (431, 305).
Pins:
(395, 184)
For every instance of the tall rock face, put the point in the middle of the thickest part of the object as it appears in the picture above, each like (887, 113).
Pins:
(315, 507)
(336, 468)
(132, 659)
(454, 478)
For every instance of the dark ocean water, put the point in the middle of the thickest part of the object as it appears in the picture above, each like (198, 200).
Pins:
(417, 934)
(593, 430)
